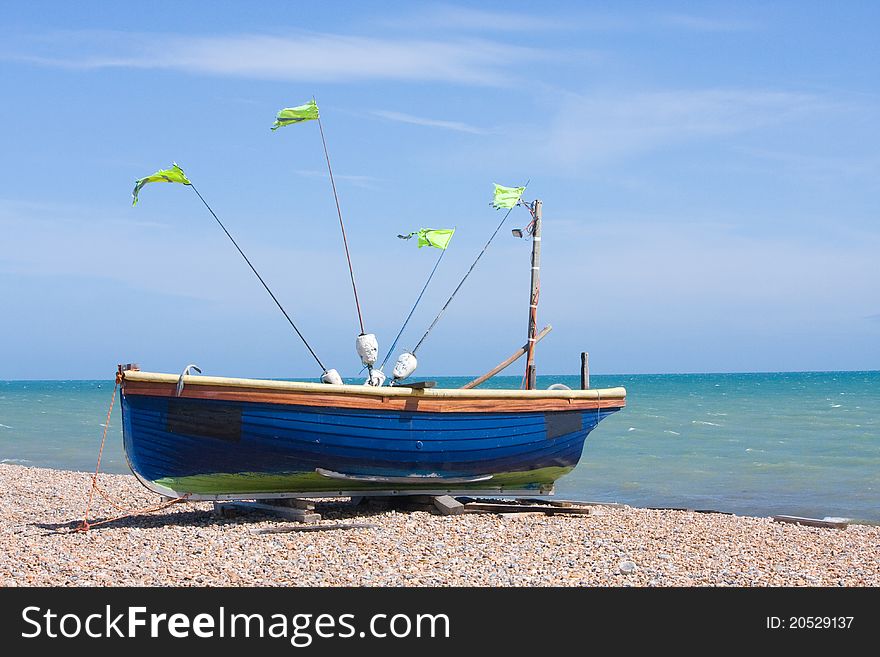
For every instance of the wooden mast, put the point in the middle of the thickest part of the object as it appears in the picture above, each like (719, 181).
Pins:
(533, 297)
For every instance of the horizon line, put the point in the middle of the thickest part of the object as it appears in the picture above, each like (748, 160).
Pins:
(462, 376)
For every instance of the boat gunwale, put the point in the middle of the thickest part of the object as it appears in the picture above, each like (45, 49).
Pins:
(595, 394)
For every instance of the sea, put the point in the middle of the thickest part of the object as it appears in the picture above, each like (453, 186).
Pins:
(760, 444)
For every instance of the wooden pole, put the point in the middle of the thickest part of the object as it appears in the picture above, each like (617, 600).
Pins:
(533, 297)
(509, 361)
(585, 370)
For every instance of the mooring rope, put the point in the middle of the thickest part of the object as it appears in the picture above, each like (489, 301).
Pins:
(85, 522)
(86, 525)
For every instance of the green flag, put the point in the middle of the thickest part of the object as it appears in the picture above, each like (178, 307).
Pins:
(506, 197)
(438, 238)
(307, 112)
(174, 175)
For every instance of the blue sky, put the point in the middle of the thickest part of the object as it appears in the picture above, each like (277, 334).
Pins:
(709, 173)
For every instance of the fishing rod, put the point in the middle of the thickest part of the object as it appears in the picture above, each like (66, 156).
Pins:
(342, 228)
(468, 273)
(408, 317)
(176, 175)
(260, 278)
(366, 344)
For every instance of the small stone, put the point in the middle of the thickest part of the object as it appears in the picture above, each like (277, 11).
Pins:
(626, 567)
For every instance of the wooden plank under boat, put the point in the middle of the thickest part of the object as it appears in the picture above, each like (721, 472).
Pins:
(226, 438)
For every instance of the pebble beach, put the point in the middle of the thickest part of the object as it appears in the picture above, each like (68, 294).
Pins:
(189, 545)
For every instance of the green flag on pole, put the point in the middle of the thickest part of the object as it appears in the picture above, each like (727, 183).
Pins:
(506, 197)
(438, 238)
(173, 175)
(307, 112)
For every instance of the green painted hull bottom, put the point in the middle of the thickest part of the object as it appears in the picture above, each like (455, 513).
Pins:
(312, 482)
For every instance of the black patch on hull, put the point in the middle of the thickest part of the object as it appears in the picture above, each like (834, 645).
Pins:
(561, 423)
(204, 421)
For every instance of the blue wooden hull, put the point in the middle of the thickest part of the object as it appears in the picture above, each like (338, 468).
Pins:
(222, 449)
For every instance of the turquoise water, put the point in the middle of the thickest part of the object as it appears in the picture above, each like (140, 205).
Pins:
(753, 444)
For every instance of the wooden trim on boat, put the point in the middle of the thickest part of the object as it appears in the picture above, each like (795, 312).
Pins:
(367, 397)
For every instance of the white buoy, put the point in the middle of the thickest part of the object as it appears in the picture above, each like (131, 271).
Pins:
(376, 379)
(367, 348)
(331, 376)
(406, 364)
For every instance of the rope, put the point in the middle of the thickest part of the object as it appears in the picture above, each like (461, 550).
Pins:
(406, 321)
(254, 269)
(85, 522)
(533, 324)
(86, 525)
(480, 255)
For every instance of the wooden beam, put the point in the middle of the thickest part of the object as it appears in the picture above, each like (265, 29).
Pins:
(507, 362)
(512, 507)
(316, 528)
(585, 370)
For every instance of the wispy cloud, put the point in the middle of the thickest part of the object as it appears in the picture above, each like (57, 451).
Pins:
(367, 182)
(706, 24)
(457, 126)
(300, 56)
(448, 17)
(817, 167)
(589, 129)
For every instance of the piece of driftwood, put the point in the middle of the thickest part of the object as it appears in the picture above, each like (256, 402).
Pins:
(538, 500)
(812, 522)
(682, 508)
(507, 362)
(316, 528)
(513, 507)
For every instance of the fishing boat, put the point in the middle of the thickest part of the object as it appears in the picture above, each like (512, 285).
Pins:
(224, 438)
(219, 438)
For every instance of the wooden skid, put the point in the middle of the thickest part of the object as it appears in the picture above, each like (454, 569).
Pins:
(306, 514)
